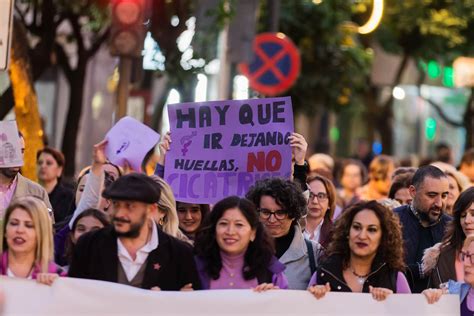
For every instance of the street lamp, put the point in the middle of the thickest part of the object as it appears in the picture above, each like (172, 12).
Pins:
(375, 18)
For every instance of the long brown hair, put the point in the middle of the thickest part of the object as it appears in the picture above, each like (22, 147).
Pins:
(390, 249)
(454, 235)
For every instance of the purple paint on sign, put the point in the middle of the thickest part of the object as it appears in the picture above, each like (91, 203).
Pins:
(224, 147)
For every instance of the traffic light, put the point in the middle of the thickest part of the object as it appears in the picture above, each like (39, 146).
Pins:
(127, 29)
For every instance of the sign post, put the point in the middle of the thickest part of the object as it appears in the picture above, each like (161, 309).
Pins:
(6, 25)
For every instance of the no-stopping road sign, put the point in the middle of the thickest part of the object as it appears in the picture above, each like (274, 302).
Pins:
(275, 65)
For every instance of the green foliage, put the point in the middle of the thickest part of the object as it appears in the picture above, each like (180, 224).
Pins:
(335, 66)
(428, 29)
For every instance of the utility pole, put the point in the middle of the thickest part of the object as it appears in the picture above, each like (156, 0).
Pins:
(125, 71)
(274, 16)
(126, 42)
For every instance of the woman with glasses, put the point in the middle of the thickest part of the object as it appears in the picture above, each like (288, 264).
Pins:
(365, 255)
(233, 250)
(441, 262)
(321, 206)
(465, 288)
(280, 205)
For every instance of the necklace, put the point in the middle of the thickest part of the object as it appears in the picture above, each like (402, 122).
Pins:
(360, 278)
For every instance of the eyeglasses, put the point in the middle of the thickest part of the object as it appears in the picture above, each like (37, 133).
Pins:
(266, 214)
(464, 255)
(321, 196)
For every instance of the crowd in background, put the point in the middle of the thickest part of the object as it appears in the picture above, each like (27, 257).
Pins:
(368, 224)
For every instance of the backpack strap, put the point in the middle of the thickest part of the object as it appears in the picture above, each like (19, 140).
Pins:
(312, 262)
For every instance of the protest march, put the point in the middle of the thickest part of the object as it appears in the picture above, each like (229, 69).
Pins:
(232, 217)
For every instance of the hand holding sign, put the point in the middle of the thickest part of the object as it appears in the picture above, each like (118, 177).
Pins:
(128, 143)
(221, 148)
(299, 146)
(10, 147)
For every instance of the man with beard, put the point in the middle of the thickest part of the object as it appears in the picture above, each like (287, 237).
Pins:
(13, 185)
(423, 221)
(133, 250)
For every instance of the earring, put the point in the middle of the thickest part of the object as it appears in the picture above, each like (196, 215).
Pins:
(161, 222)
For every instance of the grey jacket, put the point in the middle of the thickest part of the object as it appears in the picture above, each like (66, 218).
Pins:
(296, 261)
(26, 187)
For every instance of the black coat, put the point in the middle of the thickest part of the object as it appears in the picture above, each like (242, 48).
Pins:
(411, 231)
(170, 266)
(331, 270)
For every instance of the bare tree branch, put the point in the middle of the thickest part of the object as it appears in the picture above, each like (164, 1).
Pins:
(76, 29)
(35, 13)
(63, 61)
(21, 13)
(59, 20)
(443, 115)
(98, 42)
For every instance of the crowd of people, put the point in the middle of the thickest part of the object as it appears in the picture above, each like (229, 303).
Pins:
(352, 225)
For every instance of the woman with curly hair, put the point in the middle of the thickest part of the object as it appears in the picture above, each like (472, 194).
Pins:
(441, 262)
(365, 255)
(233, 251)
(280, 205)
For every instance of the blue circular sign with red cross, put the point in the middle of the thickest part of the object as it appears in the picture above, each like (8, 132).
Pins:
(275, 65)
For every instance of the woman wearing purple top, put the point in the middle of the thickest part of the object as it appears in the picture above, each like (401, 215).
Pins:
(233, 251)
(365, 254)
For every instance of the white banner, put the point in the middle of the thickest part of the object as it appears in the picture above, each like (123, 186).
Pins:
(70, 296)
(6, 23)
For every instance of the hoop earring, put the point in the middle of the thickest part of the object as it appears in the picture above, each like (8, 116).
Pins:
(161, 222)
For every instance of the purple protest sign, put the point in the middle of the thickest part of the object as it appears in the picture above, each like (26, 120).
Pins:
(221, 148)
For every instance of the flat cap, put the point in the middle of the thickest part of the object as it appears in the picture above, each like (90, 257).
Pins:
(133, 187)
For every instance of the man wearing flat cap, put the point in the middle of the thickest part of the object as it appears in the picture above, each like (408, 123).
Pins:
(134, 251)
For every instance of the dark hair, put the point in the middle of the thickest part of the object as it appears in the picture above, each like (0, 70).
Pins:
(390, 249)
(356, 162)
(203, 208)
(331, 192)
(57, 155)
(425, 172)
(97, 214)
(286, 194)
(454, 235)
(443, 152)
(259, 252)
(468, 157)
(401, 181)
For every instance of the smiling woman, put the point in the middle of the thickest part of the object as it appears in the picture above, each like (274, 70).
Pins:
(233, 251)
(27, 243)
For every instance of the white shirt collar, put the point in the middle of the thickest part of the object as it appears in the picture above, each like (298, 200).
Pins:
(316, 232)
(130, 266)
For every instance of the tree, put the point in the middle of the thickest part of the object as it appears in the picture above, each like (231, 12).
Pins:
(335, 65)
(55, 26)
(169, 21)
(421, 30)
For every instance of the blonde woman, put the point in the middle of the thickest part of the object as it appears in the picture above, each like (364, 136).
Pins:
(167, 216)
(27, 242)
